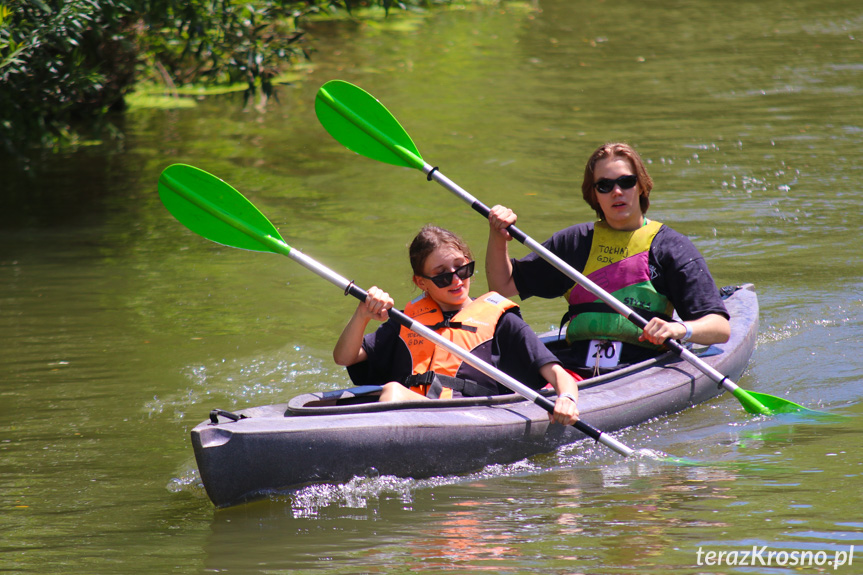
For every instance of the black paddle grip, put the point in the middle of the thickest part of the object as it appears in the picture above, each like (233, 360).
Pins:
(361, 294)
(480, 207)
(484, 210)
(639, 321)
(587, 429)
(517, 234)
(356, 291)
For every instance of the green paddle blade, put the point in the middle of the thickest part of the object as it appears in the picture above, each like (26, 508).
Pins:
(363, 125)
(765, 404)
(212, 208)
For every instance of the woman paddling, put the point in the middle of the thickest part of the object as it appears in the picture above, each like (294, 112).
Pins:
(643, 263)
(412, 368)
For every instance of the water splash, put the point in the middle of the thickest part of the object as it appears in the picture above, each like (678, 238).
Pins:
(244, 381)
(188, 481)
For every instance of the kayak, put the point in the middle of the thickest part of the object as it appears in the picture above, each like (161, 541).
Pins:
(333, 436)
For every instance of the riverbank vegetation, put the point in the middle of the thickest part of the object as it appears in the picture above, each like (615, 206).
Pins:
(67, 65)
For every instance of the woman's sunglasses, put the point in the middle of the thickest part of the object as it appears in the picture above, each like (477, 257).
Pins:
(604, 185)
(445, 279)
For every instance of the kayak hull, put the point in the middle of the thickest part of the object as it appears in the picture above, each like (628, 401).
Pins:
(331, 437)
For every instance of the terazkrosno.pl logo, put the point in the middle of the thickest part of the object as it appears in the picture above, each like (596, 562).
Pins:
(766, 557)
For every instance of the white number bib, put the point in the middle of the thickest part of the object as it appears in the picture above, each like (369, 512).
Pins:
(607, 352)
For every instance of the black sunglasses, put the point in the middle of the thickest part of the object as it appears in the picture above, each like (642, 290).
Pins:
(445, 279)
(604, 185)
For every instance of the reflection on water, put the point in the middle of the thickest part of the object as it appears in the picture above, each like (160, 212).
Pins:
(120, 330)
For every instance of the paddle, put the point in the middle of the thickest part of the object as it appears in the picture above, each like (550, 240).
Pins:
(362, 124)
(212, 208)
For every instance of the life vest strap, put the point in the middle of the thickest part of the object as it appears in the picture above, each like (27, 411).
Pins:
(436, 382)
(452, 325)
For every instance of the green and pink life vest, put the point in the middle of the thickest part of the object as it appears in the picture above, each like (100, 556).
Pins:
(618, 263)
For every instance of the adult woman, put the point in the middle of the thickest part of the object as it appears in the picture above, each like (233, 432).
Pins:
(643, 263)
(489, 326)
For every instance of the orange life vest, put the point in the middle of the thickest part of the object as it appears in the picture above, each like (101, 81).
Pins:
(472, 326)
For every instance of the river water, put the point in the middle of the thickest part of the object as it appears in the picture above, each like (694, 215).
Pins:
(120, 329)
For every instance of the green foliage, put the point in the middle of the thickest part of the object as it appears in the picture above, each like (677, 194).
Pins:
(221, 41)
(65, 64)
(61, 62)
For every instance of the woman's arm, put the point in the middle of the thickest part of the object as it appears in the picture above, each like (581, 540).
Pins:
(711, 328)
(566, 406)
(691, 289)
(349, 348)
(498, 267)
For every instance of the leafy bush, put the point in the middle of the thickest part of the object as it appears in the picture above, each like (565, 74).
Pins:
(64, 64)
(222, 41)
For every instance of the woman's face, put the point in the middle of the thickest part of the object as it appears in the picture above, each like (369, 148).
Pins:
(445, 259)
(621, 207)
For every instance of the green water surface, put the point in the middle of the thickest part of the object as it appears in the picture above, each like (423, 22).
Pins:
(120, 329)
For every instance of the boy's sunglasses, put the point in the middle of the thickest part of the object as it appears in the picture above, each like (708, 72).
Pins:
(604, 185)
(445, 279)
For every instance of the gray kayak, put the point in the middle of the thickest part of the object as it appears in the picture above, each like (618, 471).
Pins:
(333, 436)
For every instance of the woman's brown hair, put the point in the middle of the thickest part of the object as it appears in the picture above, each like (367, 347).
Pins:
(428, 240)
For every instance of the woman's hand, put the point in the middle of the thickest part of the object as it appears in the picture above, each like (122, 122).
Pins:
(349, 348)
(376, 304)
(500, 218)
(657, 331)
(565, 411)
(566, 406)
